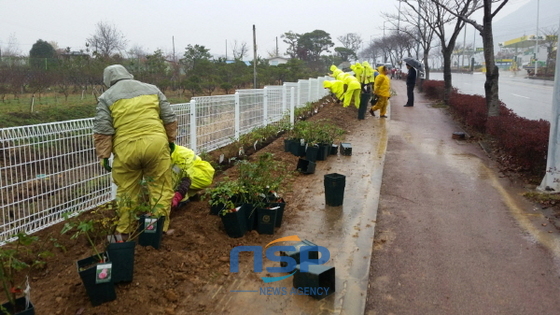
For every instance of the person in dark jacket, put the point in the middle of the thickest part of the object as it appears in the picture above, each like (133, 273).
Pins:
(410, 83)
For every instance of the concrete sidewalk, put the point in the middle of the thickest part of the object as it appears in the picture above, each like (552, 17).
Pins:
(453, 236)
(346, 231)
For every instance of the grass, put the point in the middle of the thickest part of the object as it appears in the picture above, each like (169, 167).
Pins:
(51, 107)
(543, 198)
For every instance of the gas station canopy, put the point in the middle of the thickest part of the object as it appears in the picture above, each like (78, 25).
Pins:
(521, 42)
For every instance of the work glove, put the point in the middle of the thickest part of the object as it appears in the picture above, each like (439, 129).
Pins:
(176, 199)
(106, 165)
(171, 147)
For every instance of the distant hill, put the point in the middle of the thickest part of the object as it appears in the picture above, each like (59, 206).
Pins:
(523, 21)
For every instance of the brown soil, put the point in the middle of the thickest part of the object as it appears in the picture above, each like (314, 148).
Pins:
(180, 277)
(177, 278)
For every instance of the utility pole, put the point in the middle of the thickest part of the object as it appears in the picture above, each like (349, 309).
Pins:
(419, 30)
(537, 38)
(464, 46)
(551, 180)
(254, 57)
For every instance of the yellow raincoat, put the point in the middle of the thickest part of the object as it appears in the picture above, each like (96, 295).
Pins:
(336, 87)
(353, 91)
(185, 163)
(135, 123)
(382, 88)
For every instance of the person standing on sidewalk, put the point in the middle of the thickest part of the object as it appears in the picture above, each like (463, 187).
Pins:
(381, 88)
(410, 83)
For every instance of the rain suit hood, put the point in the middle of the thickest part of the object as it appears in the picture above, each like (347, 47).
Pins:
(114, 73)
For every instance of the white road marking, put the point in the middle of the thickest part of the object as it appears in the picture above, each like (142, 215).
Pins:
(519, 95)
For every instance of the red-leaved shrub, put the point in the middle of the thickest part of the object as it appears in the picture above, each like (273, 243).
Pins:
(525, 140)
(471, 108)
(433, 89)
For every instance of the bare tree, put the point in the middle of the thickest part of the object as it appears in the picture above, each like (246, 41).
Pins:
(12, 48)
(371, 52)
(439, 19)
(106, 40)
(239, 50)
(351, 41)
(416, 29)
(485, 29)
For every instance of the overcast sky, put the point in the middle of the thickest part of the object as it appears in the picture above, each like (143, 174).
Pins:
(155, 25)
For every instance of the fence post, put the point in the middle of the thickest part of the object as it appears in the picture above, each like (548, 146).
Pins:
(284, 98)
(292, 106)
(194, 144)
(237, 117)
(309, 99)
(265, 106)
(299, 93)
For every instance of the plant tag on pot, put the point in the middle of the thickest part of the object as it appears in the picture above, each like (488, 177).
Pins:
(150, 225)
(103, 273)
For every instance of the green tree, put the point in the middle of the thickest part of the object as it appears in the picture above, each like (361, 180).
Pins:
(291, 39)
(345, 54)
(193, 55)
(42, 55)
(312, 45)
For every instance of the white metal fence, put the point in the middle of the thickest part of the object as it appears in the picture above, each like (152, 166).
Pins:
(50, 169)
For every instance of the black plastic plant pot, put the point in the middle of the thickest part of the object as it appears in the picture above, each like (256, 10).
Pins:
(235, 223)
(215, 209)
(318, 280)
(279, 212)
(151, 231)
(287, 143)
(266, 219)
(334, 149)
(20, 308)
(251, 215)
(97, 279)
(334, 189)
(297, 148)
(323, 151)
(305, 166)
(297, 252)
(312, 153)
(346, 148)
(122, 257)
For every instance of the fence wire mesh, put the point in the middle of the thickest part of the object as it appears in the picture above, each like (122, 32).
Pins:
(47, 170)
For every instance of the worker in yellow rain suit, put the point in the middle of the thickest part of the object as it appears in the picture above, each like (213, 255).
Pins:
(135, 123)
(190, 174)
(381, 88)
(336, 87)
(368, 77)
(353, 89)
(358, 71)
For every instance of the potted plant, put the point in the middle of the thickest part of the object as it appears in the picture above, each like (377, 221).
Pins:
(260, 178)
(225, 195)
(96, 270)
(120, 248)
(15, 258)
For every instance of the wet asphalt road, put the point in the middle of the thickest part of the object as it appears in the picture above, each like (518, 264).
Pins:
(452, 236)
(529, 98)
